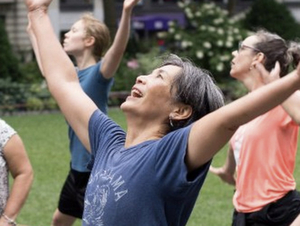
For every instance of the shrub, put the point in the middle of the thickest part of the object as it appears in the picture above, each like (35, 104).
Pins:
(34, 104)
(31, 73)
(209, 38)
(50, 104)
(273, 16)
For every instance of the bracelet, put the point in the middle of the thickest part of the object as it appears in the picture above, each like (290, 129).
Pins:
(9, 221)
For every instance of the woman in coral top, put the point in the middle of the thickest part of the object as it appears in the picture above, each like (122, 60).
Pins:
(262, 152)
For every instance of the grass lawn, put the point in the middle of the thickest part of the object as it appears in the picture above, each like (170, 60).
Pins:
(45, 138)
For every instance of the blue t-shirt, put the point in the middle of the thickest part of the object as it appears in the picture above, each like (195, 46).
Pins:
(97, 88)
(144, 185)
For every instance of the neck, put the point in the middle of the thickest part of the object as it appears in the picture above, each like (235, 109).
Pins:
(252, 81)
(85, 60)
(141, 130)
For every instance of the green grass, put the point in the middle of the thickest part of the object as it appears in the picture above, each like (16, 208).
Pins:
(45, 138)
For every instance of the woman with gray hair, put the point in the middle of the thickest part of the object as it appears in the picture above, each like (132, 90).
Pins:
(152, 173)
(262, 152)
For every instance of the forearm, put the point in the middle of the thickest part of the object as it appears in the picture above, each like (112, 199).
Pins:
(260, 100)
(216, 128)
(18, 194)
(113, 57)
(123, 32)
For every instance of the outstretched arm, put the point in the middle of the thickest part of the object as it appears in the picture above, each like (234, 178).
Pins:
(209, 134)
(227, 171)
(22, 173)
(59, 71)
(113, 56)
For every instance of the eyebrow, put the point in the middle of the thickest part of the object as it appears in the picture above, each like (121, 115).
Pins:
(161, 71)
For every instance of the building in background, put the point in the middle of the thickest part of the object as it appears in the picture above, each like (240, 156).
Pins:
(149, 16)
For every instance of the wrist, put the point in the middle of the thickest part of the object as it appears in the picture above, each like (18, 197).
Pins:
(9, 220)
(37, 11)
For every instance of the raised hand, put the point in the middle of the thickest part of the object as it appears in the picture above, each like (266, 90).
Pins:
(129, 4)
(268, 77)
(33, 5)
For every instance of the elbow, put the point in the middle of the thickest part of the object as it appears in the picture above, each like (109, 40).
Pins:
(29, 177)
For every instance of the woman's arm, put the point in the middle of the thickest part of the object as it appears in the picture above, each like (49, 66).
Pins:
(59, 71)
(209, 134)
(113, 56)
(20, 168)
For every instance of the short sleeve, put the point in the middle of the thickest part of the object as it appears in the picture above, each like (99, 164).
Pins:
(6, 132)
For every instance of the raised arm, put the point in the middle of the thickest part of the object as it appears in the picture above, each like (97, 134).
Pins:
(113, 56)
(20, 168)
(59, 71)
(212, 132)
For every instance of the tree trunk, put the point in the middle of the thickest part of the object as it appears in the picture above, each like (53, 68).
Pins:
(110, 16)
(231, 7)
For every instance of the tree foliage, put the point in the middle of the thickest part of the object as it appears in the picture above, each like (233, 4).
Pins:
(274, 17)
(9, 63)
(209, 38)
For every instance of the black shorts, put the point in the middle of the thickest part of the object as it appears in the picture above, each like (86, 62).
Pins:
(280, 213)
(71, 200)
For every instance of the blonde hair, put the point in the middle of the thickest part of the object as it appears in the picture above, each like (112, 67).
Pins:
(98, 30)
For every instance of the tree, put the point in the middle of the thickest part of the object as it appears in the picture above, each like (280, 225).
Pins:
(110, 16)
(274, 17)
(9, 63)
(209, 38)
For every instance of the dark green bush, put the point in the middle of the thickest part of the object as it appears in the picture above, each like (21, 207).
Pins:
(31, 73)
(274, 17)
(34, 104)
(9, 63)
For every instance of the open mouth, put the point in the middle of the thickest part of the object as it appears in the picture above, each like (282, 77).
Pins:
(136, 93)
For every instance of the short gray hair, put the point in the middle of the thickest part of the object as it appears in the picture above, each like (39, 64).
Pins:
(194, 87)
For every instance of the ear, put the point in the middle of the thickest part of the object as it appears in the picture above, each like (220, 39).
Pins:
(89, 41)
(181, 112)
(259, 58)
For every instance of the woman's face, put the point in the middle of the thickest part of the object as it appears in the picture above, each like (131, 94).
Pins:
(243, 57)
(150, 96)
(74, 38)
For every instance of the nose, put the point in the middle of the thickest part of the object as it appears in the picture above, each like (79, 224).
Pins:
(234, 53)
(66, 34)
(140, 79)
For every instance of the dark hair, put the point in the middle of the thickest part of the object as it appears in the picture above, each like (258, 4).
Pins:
(194, 87)
(275, 49)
